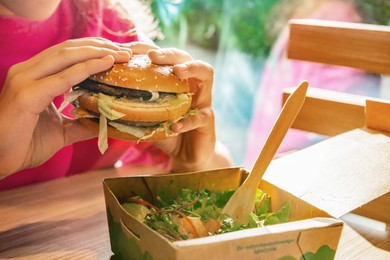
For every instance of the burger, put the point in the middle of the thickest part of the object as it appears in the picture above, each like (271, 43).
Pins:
(136, 101)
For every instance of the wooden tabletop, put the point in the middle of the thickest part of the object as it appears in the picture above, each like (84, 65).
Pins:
(66, 219)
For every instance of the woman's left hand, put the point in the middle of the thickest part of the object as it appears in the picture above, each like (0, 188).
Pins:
(196, 147)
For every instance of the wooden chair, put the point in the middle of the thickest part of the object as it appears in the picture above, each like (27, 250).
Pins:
(362, 46)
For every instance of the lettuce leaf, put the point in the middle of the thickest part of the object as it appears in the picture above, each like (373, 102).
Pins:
(138, 211)
(282, 215)
(207, 205)
(105, 107)
(103, 135)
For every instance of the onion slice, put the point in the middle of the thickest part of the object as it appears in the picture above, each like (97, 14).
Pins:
(70, 97)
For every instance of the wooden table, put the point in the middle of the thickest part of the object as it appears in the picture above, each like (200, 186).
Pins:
(66, 219)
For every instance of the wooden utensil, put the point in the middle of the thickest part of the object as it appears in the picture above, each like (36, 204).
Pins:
(241, 204)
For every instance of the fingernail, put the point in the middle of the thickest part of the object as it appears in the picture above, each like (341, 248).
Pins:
(126, 50)
(157, 51)
(123, 53)
(108, 57)
(178, 126)
(180, 70)
(181, 66)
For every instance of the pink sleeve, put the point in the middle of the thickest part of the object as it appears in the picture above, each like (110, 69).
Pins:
(86, 155)
(145, 153)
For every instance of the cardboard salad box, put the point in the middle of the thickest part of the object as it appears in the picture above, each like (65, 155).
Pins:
(323, 182)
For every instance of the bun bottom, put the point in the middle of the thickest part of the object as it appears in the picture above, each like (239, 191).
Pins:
(114, 133)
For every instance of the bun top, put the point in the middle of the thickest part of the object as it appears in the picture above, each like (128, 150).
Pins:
(141, 74)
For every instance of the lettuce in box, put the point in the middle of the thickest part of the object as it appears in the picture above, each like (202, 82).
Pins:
(195, 214)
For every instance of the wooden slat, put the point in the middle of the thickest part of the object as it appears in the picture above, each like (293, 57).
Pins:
(328, 112)
(378, 114)
(377, 209)
(362, 46)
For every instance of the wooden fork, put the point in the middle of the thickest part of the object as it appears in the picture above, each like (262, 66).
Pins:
(241, 204)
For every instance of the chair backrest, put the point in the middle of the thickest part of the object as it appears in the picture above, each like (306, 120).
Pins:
(356, 45)
(362, 46)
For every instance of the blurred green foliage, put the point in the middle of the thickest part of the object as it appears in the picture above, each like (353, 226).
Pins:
(247, 22)
(235, 24)
(203, 22)
(375, 11)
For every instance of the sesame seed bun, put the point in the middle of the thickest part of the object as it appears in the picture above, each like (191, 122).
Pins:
(141, 74)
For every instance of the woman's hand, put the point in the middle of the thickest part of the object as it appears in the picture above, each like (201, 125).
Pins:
(31, 129)
(196, 148)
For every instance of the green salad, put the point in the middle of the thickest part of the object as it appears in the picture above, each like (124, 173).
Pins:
(194, 214)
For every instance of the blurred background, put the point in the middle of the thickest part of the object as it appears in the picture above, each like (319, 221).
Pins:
(230, 35)
(236, 38)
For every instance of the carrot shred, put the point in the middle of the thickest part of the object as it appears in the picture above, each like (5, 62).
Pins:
(261, 200)
(190, 222)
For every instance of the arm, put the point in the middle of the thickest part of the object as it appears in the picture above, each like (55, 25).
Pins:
(31, 128)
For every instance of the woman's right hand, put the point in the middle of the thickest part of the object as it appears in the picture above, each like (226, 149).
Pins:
(31, 129)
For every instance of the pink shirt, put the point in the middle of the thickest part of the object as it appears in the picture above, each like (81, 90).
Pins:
(20, 39)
